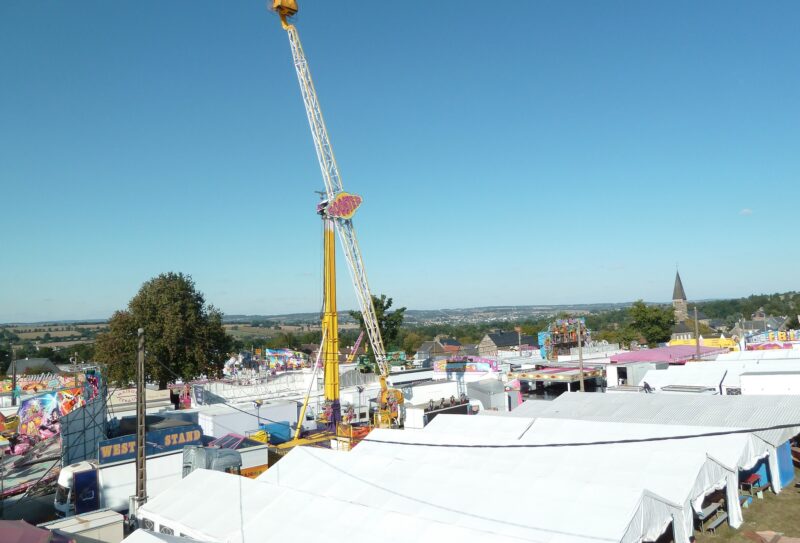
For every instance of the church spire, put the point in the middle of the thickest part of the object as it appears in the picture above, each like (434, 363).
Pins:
(678, 292)
(679, 300)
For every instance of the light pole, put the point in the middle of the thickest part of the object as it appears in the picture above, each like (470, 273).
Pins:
(696, 334)
(580, 355)
(257, 404)
(141, 468)
(360, 389)
(13, 377)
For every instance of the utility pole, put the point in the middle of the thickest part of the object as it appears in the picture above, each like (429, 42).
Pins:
(13, 377)
(141, 472)
(696, 334)
(580, 355)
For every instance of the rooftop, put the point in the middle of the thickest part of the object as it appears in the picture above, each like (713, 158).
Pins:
(676, 354)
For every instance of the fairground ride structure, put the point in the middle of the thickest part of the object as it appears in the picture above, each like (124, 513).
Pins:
(336, 210)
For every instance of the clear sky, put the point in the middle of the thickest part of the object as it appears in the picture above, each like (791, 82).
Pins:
(556, 152)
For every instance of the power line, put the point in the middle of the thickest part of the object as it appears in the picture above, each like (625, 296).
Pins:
(584, 443)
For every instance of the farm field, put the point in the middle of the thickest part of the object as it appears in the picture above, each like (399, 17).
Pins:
(55, 332)
(246, 330)
(61, 344)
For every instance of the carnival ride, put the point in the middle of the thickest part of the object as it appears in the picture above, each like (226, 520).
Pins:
(352, 356)
(337, 209)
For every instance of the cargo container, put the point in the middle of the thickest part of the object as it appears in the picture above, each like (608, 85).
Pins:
(244, 418)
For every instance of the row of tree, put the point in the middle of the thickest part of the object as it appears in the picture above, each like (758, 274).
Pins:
(185, 337)
(785, 304)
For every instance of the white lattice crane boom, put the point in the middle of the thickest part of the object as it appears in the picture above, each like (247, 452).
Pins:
(339, 205)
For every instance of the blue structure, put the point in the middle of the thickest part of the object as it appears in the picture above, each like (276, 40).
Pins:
(279, 432)
(785, 464)
(156, 442)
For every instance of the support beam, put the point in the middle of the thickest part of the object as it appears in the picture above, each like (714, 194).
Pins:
(330, 326)
(141, 467)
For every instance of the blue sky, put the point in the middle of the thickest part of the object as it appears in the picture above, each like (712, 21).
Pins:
(558, 152)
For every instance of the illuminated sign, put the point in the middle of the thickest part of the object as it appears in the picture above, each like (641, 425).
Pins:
(156, 441)
(343, 206)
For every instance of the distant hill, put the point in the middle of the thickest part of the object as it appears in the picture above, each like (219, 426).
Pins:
(467, 314)
(783, 304)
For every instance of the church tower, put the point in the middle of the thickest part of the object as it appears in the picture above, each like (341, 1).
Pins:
(679, 300)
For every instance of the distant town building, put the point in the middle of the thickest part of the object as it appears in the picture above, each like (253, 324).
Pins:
(429, 350)
(33, 365)
(758, 323)
(679, 300)
(494, 342)
(681, 330)
(450, 345)
(442, 346)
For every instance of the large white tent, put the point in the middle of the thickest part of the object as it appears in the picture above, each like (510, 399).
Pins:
(553, 509)
(450, 480)
(206, 505)
(217, 507)
(772, 354)
(682, 471)
(487, 428)
(731, 412)
(146, 536)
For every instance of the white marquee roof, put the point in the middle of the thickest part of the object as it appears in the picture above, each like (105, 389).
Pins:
(144, 536)
(463, 495)
(678, 409)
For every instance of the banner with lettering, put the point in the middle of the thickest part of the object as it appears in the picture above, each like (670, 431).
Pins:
(156, 442)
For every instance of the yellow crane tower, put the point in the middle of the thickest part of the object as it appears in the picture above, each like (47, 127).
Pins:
(337, 210)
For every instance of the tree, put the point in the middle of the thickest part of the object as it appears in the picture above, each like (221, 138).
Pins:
(412, 342)
(5, 357)
(652, 322)
(84, 352)
(623, 335)
(389, 323)
(183, 336)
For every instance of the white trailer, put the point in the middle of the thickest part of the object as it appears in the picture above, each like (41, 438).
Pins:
(770, 383)
(422, 393)
(88, 486)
